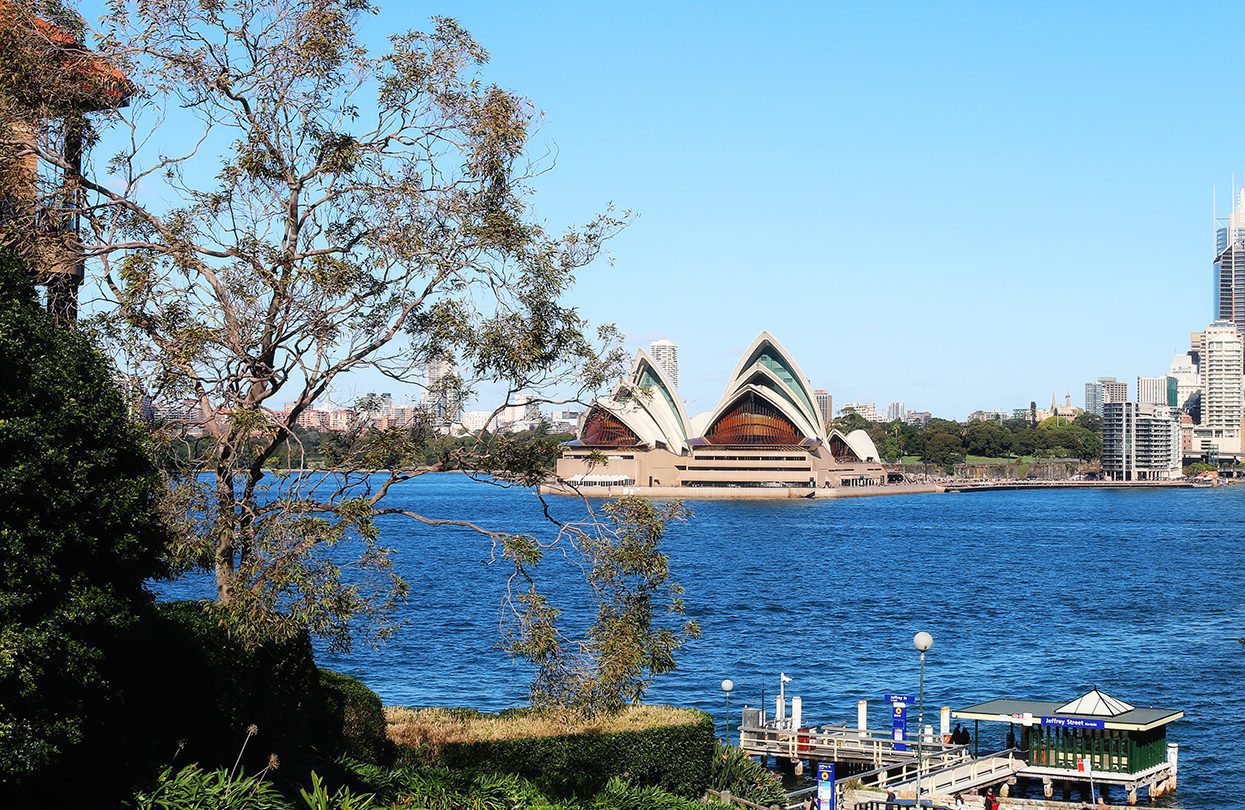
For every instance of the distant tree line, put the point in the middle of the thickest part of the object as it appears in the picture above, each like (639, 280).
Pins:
(946, 442)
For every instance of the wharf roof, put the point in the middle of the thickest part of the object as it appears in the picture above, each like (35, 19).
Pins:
(1095, 706)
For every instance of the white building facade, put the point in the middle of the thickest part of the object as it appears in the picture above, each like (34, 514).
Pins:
(1140, 442)
(665, 354)
(1219, 430)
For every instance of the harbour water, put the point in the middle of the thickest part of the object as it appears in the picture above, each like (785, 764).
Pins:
(1039, 594)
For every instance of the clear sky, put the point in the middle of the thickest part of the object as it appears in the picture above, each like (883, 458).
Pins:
(959, 206)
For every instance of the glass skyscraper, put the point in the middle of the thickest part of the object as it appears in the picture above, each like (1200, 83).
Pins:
(1230, 266)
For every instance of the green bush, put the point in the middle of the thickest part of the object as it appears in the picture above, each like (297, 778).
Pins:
(80, 532)
(205, 689)
(674, 757)
(352, 722)
(744, 777)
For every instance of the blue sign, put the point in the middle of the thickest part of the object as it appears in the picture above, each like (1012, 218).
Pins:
(1073, 722)
(899, 726)
(907, 700)
(825, 786)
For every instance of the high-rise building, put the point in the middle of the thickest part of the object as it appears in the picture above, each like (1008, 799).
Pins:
(895, 412)
(1221, 356)
(1140, 442)
(825, 405)
(443, 392)
(1102, 391)
(1184, 371)
(1229, 290)
(666, 354)
(866, 409)
(1153, 391)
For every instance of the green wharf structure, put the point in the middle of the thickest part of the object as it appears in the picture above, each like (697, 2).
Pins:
(1094, 739)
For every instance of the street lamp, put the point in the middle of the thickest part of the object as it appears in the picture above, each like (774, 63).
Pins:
(922, 641)
(727, 686)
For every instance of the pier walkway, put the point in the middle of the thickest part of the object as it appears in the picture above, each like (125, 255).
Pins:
(839, 743)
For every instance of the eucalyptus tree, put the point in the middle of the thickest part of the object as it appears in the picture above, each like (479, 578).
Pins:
(279, 207)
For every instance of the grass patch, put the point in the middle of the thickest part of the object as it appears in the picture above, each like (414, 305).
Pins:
(437, 727)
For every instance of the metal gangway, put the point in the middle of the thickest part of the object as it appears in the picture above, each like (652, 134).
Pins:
(947, 779)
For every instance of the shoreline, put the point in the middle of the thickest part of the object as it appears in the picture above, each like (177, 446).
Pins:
(804, 493)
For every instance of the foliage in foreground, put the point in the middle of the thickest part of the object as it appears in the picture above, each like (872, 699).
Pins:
(193, 788)
(744, 777)
(80, 531)
(564, 755)
(638, 625)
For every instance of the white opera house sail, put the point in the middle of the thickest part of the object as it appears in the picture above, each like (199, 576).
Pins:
(764, 432)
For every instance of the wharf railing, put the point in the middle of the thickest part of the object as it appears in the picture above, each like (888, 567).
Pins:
(840, 743)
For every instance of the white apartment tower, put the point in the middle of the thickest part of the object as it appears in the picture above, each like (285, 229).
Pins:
(895, 412)
(1140, 442)
(666, 354)
(443, 392)
(1221, 371)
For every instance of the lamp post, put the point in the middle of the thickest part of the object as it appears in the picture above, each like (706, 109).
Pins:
(727, 686)
(922, 641)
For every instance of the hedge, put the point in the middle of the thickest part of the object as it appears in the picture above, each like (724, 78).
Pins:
(352, 722)
(205, 688)
(674, 756)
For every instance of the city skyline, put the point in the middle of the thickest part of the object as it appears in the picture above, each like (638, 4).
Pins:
(990, 175)
(1018, 214)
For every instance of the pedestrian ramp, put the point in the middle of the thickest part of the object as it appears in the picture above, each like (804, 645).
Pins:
(972, 774)
(945, 779)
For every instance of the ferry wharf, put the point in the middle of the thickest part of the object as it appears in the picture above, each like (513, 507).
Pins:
(1083, 746)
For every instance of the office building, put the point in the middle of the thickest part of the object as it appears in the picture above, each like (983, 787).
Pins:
(895, 412)
(1229, 280)
(825, 405)
(1188, 383)
(665, 354)
(1155, 391)
(1102, 391)
(987, 416)
(1219, 431)
(919, 417)
(766, 431)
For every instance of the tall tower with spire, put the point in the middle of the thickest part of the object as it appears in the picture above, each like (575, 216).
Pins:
(1229, 290)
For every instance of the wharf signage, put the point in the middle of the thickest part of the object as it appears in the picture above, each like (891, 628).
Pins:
(825, 786)
(899, 719)
(1073, 722)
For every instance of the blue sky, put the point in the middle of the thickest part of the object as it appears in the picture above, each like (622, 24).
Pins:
(959, 206)
(956, 205)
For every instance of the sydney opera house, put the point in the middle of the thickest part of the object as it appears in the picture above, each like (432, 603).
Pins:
(765, 432)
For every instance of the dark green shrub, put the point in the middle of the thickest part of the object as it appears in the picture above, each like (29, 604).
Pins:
(352, 722)
(674, 757)
(80, 532)
(744, 777)
(205, 689)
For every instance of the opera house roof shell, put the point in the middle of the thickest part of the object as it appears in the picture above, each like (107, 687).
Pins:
(768, 402)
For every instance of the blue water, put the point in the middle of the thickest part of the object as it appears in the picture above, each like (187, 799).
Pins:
(1040, 594)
